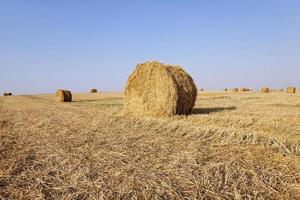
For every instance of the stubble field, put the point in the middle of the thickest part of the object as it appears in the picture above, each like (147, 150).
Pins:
(233, 146)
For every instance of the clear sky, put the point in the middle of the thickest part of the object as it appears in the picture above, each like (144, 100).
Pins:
(78, 45)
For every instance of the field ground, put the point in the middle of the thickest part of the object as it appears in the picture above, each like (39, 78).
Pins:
(233, 146)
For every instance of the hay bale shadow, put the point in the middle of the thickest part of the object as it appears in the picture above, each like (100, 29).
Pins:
(198, 111)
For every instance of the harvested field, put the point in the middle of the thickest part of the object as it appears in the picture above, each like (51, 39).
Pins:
(233, 146)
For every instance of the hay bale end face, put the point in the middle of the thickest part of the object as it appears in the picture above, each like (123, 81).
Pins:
(291, 90)
(9, 94)
(63, 96)
(159, 90)
(93, 90)
(265, 90)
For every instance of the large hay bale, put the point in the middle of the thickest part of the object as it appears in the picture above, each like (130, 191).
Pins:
(5, 94)
(9, 94)
(63, 96)
(159, 90)
(93, 90)
(291, 90)
(264, 90)
(234, 90)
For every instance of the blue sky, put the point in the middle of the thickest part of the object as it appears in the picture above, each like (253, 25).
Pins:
(78, 45)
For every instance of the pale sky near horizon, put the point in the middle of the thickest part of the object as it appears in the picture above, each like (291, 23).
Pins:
(78, 45)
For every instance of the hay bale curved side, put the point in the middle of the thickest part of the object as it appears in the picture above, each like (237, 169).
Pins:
(157, 89)
(63, 96)
(57, 93)
(291, 90)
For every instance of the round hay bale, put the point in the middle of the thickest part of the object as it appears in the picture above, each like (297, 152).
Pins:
(63, 96)
(93, 90)
(265, 90)
(243, 90)
(291, 90)
(5, 94)
(9, 94)
(234, 90)
(225, 90)
(201, 89)
(159, 90)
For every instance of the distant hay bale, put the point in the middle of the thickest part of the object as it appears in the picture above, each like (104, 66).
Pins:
(243, 90)
(63, 96)
(234, 90)
(201, 89)
(225, 90)
(7, 94)
(291, 90)
(264, 90)
(159, 90)
(93, 90)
